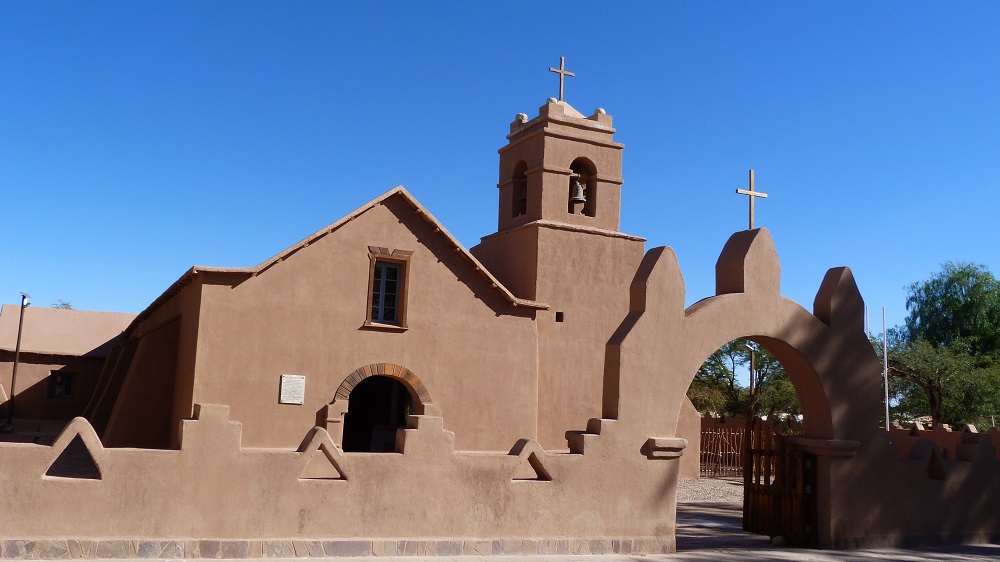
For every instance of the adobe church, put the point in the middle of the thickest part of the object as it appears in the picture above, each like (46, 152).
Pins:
(377, 389)
(384, 314)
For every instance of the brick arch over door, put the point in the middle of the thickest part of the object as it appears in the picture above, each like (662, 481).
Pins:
(422, 402)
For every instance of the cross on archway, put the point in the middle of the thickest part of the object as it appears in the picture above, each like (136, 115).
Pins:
(563, 73)
(751, 194)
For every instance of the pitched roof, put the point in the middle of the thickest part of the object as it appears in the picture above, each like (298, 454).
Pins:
(396, 191)
(59, 331)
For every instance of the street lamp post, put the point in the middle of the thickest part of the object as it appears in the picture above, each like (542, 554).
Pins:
(748, 437)
(752, 381)
(17, 354)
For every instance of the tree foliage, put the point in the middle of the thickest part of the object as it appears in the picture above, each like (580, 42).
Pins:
(958, 306)
(716, 386)
(66, 305)
(945, 362)
(950, 385)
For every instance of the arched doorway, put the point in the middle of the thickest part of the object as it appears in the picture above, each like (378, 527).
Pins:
(377, 407)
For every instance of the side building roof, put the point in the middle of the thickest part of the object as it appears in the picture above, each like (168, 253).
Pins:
(56, 331)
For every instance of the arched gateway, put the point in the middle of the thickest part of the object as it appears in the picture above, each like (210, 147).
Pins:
(832, 365)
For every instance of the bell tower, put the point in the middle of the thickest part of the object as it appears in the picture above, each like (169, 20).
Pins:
(560, 167)
(557, 242)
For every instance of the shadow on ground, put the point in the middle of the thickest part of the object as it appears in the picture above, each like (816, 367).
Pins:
(712, 525)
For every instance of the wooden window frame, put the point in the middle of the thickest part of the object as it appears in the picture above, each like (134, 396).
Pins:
(402, 259)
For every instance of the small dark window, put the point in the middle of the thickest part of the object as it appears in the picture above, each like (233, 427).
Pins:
(559, 316)
(61, 385)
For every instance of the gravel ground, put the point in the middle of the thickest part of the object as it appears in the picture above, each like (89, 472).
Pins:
(702, 490)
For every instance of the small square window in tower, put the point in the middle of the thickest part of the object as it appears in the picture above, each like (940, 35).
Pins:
(387, 288)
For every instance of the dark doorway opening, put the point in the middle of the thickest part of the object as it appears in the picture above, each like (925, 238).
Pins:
(377, 407)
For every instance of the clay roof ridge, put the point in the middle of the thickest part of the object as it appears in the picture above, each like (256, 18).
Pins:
(423, 212)
(308, 240)
(476, 264)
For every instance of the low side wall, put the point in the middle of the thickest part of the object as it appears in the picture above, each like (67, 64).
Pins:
(946, 439)
(320, 501)
(922, 499)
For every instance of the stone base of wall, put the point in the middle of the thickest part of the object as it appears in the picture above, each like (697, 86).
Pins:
(50, 549)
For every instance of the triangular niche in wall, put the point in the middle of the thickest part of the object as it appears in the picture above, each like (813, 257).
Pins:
(532, 468)
(75, 461)
(322, 466)
(324, 461)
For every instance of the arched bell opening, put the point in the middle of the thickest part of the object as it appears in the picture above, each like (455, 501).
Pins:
(377, 407)
(519, 190)
(582, 188)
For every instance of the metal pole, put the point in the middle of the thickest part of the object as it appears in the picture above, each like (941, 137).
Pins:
(885, 367)
(17, 354)
(868, 325)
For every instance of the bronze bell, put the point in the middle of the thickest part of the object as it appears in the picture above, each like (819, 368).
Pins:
(576, 192)
(524, 195)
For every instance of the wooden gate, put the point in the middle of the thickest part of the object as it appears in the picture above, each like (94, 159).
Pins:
(779, 487)
(722, 452)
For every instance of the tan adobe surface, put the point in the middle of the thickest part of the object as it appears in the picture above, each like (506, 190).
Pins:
(60, 331)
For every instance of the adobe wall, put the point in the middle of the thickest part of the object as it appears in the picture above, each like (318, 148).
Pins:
(143, 413)
(920, 499)
(948, 441)
(474, 352)
(427, 498)
(33, 370)
(586, 277)
(160, 366)
(689, 427)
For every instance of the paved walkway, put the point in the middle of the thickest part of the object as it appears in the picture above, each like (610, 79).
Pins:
(711, 532)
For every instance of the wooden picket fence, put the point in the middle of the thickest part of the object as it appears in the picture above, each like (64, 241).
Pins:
(722, 452)
(779, 484)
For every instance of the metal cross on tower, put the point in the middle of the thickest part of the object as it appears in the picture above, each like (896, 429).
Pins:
(751, 194)
(563, 73)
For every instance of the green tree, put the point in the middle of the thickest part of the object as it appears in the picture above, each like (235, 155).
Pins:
(716, 386)
(954, 386)
(959, 305)
(66, 305)
(944, 363)
(776, 395)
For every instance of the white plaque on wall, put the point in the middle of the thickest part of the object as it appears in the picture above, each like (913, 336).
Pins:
(293, 389)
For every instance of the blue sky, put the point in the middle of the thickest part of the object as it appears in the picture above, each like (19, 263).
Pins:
(139, 139)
